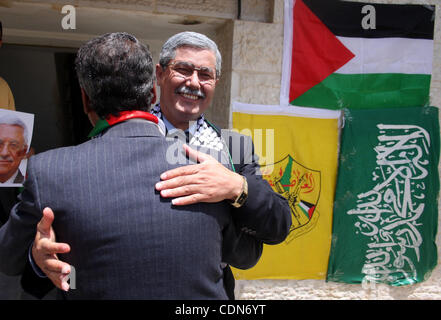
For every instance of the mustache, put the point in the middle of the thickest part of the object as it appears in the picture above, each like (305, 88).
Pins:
(186, 90)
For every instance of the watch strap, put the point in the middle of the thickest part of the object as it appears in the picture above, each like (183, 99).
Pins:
(240, 200)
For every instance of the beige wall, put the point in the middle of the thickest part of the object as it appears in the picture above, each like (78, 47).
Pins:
(256, 76)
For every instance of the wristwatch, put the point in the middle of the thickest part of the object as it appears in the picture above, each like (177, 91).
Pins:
(240, 200)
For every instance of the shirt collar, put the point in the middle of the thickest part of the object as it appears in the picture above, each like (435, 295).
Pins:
(192, 128)
(11, 179)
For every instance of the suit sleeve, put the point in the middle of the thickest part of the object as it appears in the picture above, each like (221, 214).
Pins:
(33, 284)
(17, 234)
(265, 217)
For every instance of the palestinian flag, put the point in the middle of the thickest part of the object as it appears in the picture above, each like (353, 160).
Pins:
(307, 208)
(357, 55)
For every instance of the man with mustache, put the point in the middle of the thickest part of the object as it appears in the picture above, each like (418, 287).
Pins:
(13, 148)
(188, 71)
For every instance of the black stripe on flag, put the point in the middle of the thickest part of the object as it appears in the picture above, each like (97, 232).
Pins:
(392, 20)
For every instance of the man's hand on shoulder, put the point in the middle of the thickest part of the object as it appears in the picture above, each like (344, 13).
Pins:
(206, 181)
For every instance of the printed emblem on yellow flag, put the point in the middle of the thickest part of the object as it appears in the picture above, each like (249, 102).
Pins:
(303, 169)
(301, 186)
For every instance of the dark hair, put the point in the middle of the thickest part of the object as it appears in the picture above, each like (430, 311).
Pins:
(116, 72)
(1, 31)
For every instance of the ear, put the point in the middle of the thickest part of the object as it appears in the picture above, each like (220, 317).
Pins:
(91, 114)
(30, 153)
(23, 151)
(159, 74)
(154, 94)
(86, 102)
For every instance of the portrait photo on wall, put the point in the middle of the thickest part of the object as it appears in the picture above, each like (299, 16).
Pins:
(15, 141)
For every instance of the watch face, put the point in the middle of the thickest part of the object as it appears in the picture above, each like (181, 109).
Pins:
(244, 195)
(242, 198)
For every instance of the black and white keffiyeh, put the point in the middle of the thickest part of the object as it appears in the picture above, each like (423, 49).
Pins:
(204, 135)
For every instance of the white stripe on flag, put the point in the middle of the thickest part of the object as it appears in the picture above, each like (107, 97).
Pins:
(287, 52)
(290, 110)
(388, 55)
(304, 207)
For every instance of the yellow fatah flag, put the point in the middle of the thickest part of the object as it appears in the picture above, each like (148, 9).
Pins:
(298, 150)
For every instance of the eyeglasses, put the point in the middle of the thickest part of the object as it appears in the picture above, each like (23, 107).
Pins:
(206, 75)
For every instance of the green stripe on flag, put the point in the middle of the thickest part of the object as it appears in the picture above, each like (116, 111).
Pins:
(368, 91)
(386, 203)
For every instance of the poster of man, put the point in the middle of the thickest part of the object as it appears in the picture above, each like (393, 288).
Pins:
(15, 140)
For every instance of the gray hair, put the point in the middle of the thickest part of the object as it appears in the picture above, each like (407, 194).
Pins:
(16, 121)
(192, 40)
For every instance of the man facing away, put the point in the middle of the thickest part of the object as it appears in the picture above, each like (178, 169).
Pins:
(125, 241)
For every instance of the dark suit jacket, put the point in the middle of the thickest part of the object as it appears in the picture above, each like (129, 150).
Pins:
(127, 242)
(8, 197)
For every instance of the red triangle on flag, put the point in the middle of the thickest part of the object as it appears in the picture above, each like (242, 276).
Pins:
(311, 211)
(316, 51)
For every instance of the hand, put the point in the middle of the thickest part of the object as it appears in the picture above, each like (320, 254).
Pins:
(207, 181)
(45, 249)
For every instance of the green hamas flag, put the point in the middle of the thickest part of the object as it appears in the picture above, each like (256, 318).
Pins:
(386, 211)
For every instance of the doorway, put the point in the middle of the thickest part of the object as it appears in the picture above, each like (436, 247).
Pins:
(44, 83)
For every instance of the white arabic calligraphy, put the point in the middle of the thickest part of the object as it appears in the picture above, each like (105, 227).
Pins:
(388, 214)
